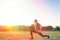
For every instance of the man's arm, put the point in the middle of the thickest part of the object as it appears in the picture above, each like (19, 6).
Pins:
(40, 27)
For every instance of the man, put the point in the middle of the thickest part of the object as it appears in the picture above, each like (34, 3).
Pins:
(36, 28)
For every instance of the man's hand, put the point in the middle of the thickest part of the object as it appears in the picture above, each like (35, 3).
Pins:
(40, 28)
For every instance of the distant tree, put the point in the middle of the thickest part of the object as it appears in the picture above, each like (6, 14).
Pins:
(22, 28)
(32, 27)
(51, 27)
(57, 28)
(19, 27)
(12, 28)
(25, 28)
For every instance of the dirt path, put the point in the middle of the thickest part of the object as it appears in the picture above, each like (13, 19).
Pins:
(14, 36)
(20, 36)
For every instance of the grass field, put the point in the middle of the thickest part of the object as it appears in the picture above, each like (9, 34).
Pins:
(22, 35)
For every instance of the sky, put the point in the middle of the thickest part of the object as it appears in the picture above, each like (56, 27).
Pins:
(23, 12)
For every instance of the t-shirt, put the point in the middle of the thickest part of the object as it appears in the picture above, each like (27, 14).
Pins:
(37, 26)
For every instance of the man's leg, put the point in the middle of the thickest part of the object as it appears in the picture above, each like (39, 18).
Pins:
(31, 33)
(42, 34)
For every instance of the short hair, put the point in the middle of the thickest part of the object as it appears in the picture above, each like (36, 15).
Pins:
(35, 20)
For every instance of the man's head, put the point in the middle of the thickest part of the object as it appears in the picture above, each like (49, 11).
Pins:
(35, 21)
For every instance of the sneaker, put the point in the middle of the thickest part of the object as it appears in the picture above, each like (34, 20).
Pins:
(48, 37)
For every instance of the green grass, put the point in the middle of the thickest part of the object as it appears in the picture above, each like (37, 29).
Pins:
(22, 35)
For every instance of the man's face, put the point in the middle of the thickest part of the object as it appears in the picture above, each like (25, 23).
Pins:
(35, 22)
